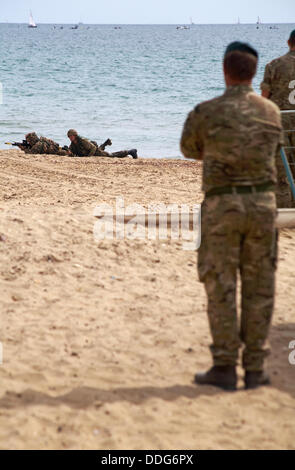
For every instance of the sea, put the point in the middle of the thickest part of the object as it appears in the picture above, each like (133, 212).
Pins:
(134, 84)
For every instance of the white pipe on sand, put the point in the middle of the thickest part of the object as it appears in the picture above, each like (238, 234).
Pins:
(285, 219)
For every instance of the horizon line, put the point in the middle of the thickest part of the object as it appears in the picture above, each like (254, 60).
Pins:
(146, 24)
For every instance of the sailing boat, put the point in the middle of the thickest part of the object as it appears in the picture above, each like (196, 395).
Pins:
(258, 22)
(32, 23)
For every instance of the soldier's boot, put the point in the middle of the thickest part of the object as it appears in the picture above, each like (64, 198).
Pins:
(224, 377)
(254, 379)
(133, 153)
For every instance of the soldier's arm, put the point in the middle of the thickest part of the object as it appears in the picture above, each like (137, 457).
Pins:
(266, 84)
(192, 143)
(24, 148)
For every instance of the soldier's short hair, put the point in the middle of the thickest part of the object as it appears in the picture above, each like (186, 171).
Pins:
(292, 38)
(240, 61)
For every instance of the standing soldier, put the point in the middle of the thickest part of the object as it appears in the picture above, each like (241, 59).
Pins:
(237, 135)
(278, 85)
(82, 147)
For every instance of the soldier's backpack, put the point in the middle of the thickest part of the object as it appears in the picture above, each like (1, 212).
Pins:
(49, 146)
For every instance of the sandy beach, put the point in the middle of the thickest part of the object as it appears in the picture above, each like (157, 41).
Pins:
(101, 339)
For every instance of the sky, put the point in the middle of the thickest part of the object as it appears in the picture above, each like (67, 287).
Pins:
(147, 11)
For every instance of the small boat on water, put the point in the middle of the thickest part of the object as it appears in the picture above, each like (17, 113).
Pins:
(32, 23)
(182, 27)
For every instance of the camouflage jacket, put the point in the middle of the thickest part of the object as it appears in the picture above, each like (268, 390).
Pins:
(45, 146)
(278, 77)
(83, 147)
(237, 135)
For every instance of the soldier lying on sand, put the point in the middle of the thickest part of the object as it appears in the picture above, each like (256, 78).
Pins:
(277, 86)
(81, 147)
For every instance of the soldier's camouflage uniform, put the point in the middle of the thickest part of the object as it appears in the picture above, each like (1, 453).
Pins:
(43, 145)
(237, 136)
(277, 80)
(86, 148)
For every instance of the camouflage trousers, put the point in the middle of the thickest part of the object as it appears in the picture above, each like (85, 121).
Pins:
(283, 191)
(239, 236)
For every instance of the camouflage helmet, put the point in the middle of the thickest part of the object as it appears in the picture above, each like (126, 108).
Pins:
(72, 132)
(32, 138)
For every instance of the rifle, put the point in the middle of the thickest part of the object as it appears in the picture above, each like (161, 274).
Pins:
(24, 143)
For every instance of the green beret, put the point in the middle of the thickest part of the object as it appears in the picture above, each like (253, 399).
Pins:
(72, 132)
